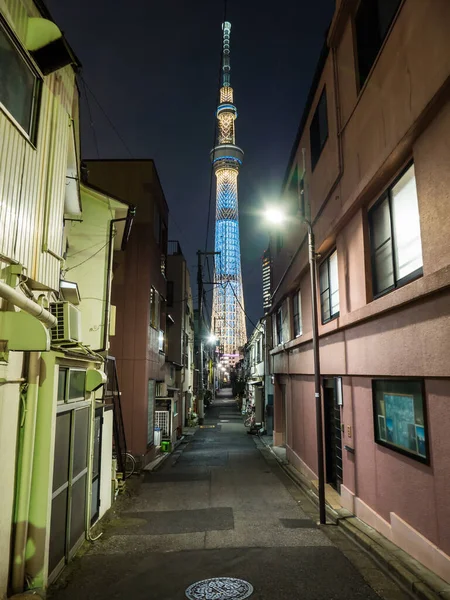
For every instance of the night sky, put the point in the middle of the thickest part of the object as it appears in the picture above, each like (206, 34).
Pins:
(153, 66)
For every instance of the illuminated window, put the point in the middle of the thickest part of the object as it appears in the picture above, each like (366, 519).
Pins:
(318, 131)
(396, 245)
(372, 22)
(329, 288)
(19, 85)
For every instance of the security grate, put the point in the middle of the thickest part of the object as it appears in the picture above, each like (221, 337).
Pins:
(162, 420)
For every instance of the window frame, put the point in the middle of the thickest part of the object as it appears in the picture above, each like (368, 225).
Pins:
(32, 134)
(315, 127)
(337, 314)
(400, 449)
(298, 332)
(155, 308)
(387, 195)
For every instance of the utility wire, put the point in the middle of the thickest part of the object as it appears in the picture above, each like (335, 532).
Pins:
(239, 302)
(114, 128)
(88, 258)
(91, 120)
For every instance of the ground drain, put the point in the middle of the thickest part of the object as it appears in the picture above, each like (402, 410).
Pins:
(219, 588)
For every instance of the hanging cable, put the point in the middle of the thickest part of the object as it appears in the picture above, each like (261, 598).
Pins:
(91, 120)
(239, 302)
(113, 127)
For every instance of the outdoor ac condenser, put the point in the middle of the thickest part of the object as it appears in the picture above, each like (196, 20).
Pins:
(68, 323)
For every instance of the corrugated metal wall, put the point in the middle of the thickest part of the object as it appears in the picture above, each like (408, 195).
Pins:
(32, 179)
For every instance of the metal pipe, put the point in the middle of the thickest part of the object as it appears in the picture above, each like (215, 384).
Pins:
(317, 386)
(129, 221)
(25, 473)
(29, 306)
(200, 404)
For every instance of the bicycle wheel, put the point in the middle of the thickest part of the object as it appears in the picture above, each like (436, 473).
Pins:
(130, 465)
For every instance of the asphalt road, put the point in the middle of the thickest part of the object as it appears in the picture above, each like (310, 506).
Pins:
(222, 507)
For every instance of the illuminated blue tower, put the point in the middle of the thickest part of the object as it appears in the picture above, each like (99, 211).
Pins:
(228, 298)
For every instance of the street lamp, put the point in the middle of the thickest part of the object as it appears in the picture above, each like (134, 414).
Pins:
(277, 216)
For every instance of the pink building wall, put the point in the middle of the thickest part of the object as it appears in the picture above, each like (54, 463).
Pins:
(402, 113)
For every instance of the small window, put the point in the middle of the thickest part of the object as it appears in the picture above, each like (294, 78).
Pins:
(62, 384)
(77, 385)
(318, 131)
(396, 246)
(279, 326)
(297, 310)
(329, 288)
(154, 308)
(161, 341)
(372, 22)
(279, 241)
(19, 85)
(400, 417)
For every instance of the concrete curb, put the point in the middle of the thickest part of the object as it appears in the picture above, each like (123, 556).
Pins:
(409, 573)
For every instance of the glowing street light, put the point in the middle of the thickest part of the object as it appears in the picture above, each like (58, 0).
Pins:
(275, 215)
(212, 339)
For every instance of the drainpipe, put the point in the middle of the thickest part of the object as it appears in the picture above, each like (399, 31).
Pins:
(126, 234)
(25, 470)
(29, 306)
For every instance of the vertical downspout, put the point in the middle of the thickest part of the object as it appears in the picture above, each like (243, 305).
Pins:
(25, 472)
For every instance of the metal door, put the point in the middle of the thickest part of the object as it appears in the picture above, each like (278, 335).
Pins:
(68, 520)
(333, 435)
(96, 465)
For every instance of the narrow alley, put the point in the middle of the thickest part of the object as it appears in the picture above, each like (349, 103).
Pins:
(221, 506)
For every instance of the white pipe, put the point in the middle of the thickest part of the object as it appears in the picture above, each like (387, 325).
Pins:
(33, 308)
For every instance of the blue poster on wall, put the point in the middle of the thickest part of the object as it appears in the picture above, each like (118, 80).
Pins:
(399, 418)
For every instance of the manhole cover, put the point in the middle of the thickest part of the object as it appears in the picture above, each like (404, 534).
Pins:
(219, 588)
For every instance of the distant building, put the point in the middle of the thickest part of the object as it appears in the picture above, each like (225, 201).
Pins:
(371, 162)
(139, 291)
(180, 333)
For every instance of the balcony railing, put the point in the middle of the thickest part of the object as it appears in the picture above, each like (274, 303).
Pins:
(173, 247)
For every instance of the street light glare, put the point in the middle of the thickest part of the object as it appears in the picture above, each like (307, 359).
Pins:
(274, 215)
(212, 339)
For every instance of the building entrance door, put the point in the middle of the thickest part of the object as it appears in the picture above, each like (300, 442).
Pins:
(333, 435)
(70, 476)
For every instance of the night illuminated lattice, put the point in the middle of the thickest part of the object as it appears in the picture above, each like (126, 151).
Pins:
(228, 299)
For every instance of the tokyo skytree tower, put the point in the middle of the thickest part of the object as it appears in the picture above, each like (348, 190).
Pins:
(228, 322)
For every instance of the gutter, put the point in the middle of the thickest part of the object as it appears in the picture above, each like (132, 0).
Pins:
(29, 306)
(126, 236)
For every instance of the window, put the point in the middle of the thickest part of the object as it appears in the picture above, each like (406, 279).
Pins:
(154, 308)
(19, 85)
(71, 385)
(258, 350)
(396, 246)
(318, 131)
(161, 341)
(372, 22)
(329, 288)
(297, 310)
(279, 241)
(279, 326)
(400, 416)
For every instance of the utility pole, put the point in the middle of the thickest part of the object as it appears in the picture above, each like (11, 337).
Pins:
(200, 391)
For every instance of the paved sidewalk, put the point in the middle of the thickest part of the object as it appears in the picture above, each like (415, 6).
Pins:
(222, 507)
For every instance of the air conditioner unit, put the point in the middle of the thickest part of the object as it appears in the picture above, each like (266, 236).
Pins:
(68, 323)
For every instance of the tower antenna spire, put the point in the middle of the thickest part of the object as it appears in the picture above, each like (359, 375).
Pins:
(228, 320)
(226, 66)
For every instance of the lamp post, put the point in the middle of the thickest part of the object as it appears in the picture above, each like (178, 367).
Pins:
(277, 217)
